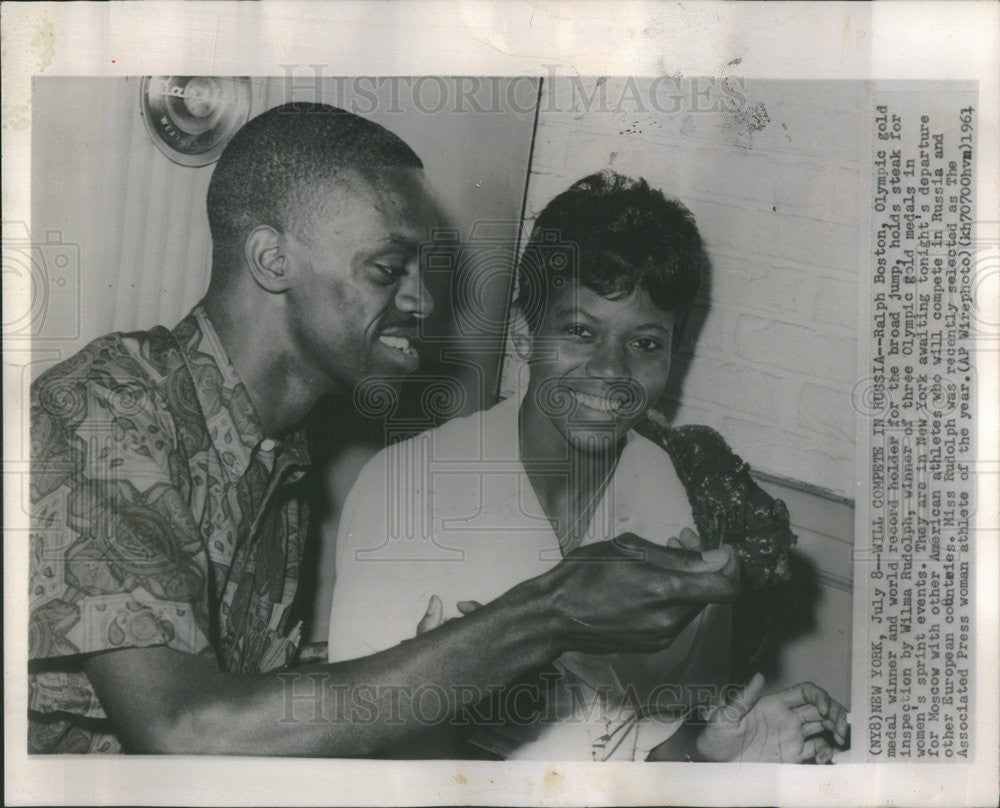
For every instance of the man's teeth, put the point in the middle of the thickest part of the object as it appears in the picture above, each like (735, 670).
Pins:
(400, 343)
(597, 402)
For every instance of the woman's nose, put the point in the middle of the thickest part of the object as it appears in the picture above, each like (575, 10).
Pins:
(607, 361)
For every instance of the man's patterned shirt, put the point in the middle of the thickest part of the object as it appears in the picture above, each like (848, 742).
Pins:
(161, 515)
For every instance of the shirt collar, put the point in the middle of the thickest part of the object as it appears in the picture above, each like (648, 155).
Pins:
(233, 425)
(499, 429)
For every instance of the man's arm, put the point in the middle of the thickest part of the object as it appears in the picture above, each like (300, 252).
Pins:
(625, 595)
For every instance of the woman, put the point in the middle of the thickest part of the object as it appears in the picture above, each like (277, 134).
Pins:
(464, 512)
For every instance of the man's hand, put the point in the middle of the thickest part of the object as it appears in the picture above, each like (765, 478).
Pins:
(780, 728)
(631, 573)
(628, 594)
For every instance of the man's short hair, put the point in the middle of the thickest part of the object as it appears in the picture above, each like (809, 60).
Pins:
(613, 235)
(269, 171)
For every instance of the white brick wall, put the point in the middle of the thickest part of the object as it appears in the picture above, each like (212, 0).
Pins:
(775, 362)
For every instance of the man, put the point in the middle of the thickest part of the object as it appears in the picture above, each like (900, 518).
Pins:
(167, 525)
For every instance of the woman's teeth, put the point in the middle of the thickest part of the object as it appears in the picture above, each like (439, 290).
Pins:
(597, 402)
(399, 343)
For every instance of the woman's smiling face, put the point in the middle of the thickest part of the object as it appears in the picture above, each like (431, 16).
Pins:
(598, 364)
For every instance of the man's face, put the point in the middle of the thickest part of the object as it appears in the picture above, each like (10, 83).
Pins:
(599, 364)
(357, 297)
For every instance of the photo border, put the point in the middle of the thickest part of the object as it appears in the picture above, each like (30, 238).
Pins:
(874, 41)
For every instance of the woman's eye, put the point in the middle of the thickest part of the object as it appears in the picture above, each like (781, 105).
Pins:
(647, 344)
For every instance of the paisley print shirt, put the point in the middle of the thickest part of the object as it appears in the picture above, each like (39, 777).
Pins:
(161, 515)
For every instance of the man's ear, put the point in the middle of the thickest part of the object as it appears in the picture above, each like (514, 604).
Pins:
(265, 252)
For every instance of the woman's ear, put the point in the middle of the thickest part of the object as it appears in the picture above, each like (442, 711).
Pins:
(265, 252)
(520, 334)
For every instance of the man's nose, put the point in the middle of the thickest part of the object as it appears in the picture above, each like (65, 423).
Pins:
(413, 297)
(607, 361)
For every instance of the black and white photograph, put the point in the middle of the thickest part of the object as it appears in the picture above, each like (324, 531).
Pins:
(496, 434)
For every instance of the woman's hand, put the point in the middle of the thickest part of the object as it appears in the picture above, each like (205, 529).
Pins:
(781, 728)
(688, 540)
(434, 616)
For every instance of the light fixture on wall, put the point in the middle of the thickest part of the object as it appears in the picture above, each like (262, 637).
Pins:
(191, 118)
